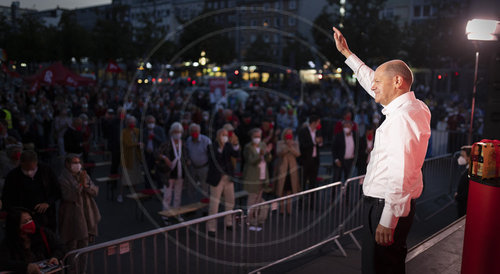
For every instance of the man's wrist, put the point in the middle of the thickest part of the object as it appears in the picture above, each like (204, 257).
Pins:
(346, 53)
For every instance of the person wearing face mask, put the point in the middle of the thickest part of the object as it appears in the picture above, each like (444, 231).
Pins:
(220, 174)
(152, 137)
(463, 185)
(365, 148)
(339, 126)
(26, 242)
(173, 160)
(131, 157)
(288, 178)
(197, 147)
(310, 140)
(34, 186)
(344, 148)
(256, 177)
(73, 137)
(78, 212)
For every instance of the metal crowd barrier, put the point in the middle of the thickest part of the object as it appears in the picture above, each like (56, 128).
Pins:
(315, 219)
(440, 175)
(182, 248)
(352, 215)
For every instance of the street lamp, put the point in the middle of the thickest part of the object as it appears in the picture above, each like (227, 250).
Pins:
(479, 30)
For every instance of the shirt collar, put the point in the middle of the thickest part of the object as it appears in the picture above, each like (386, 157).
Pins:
(396, 103)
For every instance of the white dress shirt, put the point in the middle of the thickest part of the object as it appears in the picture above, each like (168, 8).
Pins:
(394, 171)
(349, 147)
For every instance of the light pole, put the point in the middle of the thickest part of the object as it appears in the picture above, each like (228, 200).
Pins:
(479, 30)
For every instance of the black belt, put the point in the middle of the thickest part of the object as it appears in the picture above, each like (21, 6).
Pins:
(370, 199)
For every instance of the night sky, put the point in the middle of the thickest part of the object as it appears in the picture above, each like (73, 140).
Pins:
(51, 4)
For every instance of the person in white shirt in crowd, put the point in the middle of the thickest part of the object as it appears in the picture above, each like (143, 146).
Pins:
(197, 148)
(344, 149)
(394, 178)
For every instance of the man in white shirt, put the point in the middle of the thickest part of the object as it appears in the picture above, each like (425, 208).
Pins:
(393, 179)
(344, 148)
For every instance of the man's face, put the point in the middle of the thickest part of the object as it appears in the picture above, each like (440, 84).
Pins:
(383, 86)
(29, 166)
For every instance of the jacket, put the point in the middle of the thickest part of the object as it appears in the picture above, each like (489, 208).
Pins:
(78, 213)
(251, 172)
(219, 163)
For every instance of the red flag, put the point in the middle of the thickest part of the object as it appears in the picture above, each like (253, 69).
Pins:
(113, 67)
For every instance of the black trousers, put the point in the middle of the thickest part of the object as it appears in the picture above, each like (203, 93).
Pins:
(310, 172)
(383, 259)
(345, 170)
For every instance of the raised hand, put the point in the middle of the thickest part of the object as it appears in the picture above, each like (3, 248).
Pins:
(341, 43)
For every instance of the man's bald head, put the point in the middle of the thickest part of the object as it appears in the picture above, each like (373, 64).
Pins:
(398, 67)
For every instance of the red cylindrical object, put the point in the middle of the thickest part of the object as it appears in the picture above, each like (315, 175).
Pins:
(481, 250)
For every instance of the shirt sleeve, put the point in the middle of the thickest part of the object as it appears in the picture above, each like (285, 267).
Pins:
(364, 73)
(402, 153)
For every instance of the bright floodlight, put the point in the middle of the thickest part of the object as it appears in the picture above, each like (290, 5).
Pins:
(481, 29)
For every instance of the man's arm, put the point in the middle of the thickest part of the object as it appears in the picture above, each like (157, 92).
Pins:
(363, 73)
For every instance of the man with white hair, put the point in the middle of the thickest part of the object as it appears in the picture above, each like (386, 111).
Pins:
(197, 148)
(393, 179)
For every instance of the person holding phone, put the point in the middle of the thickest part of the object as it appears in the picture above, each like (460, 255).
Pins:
(393, 178)
(26, 243)
(78, 213)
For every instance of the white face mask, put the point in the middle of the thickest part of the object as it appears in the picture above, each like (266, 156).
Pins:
(76, 168)
(256, 140)
(461, 161)
(224, 139)
(176, 136)
(151, 125)
(30, 173)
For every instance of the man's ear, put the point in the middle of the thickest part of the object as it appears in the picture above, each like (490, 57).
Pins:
(398, 81)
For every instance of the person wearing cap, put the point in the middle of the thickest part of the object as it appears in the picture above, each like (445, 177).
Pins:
(463, 185)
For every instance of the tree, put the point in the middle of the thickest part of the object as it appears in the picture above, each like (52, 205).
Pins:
(372, 37)
(296, 54)
(73, 39)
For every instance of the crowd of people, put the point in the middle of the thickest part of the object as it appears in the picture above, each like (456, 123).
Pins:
(189, 147)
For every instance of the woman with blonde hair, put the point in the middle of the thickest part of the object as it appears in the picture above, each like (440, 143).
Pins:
(287, 150)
